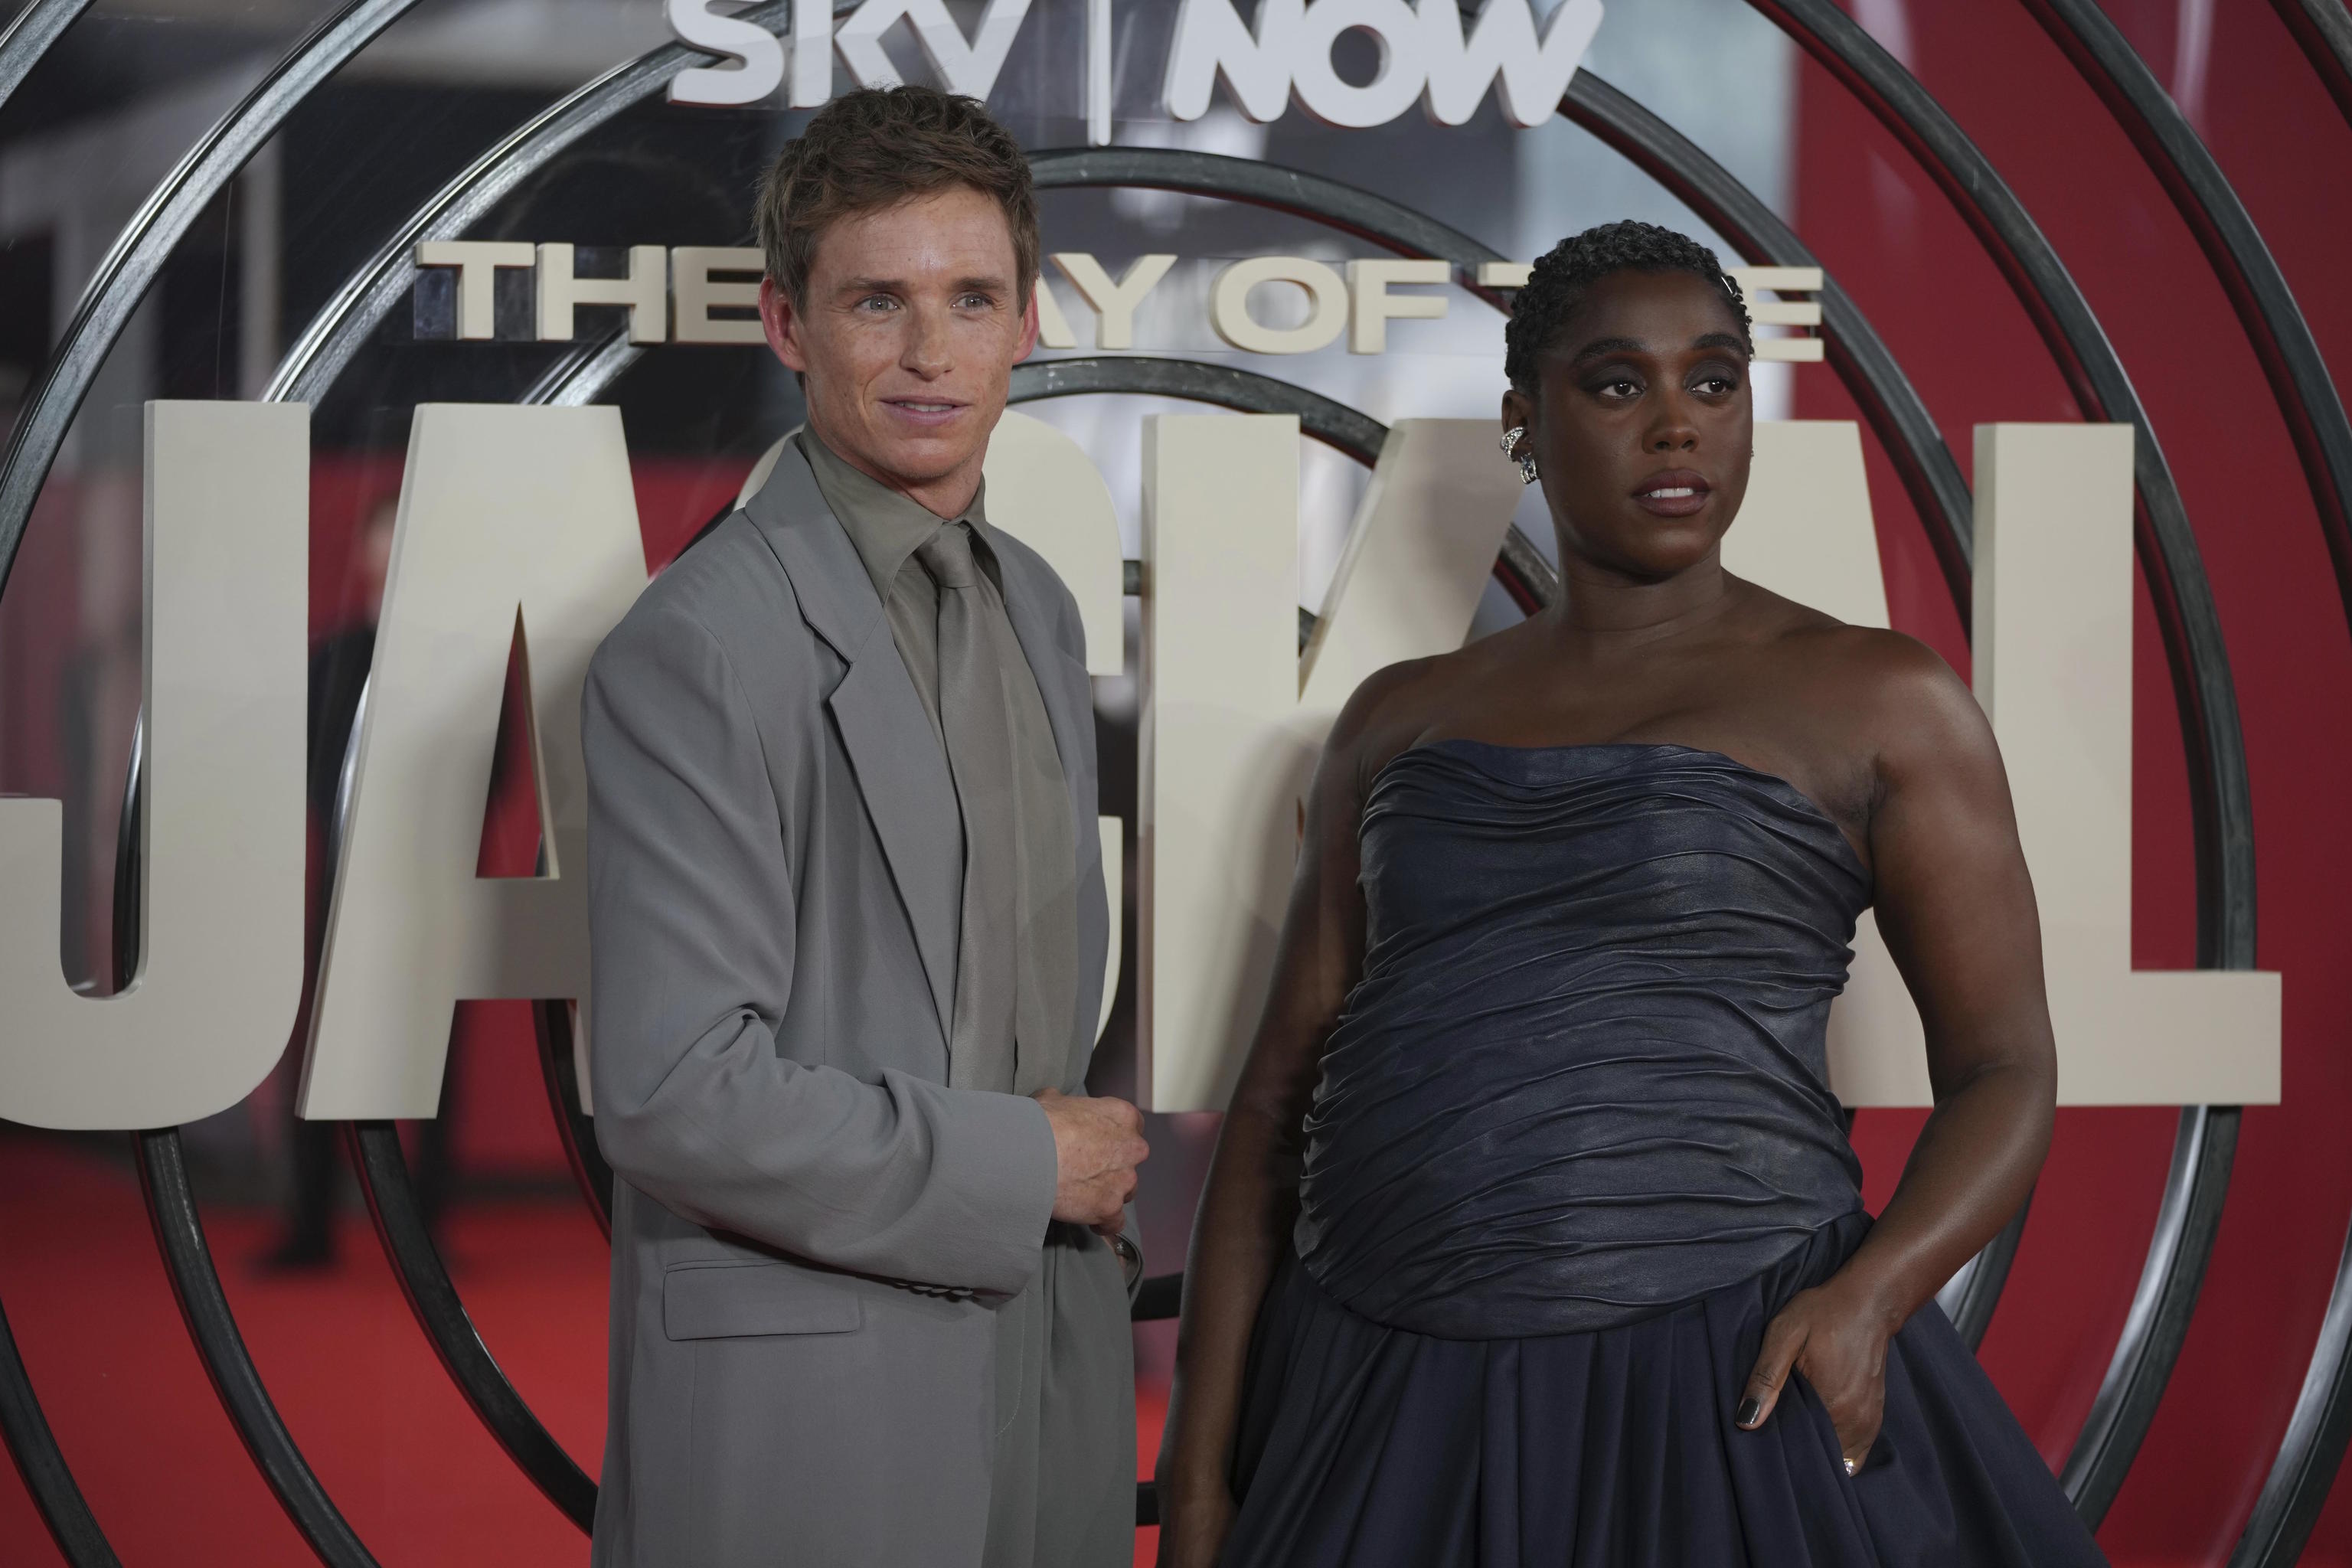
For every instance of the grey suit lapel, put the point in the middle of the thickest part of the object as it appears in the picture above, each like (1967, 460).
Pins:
(902, 773)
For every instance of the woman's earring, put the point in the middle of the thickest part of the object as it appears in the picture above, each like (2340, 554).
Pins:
(1526, 464)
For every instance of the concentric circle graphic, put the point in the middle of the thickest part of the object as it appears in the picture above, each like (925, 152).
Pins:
(2182, 1243)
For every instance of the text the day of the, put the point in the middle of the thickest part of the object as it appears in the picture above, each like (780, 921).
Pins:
(710, 294)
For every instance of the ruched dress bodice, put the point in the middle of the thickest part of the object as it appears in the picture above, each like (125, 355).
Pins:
(1573, 1148)
(1581, 1079)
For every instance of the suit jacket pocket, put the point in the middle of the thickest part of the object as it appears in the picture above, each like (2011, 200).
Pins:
(729, 1300)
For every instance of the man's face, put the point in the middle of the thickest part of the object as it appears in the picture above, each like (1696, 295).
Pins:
(913, 320)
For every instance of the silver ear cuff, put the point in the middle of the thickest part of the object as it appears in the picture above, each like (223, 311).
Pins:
(1526, 464)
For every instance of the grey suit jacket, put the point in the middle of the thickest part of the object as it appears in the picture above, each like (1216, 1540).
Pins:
(773, 866)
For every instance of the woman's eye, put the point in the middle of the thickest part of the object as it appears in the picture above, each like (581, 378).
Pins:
(1620, 387)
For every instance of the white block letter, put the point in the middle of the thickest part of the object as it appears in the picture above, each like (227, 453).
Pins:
(1212, 38)
(1330, 98)
(968, 68)
(1784, 312)
(220, 967)
(476, 261)
(1052, 327)
(1229, 305)
(1114, 302)
(1215, 767)
(1368, 282)
(811, 53)
(507, 515)
(2053, 670)
(696, 292)
(1233, 718)
(2052, 662)
(1534, 76)
(757, 58)
(1055, 502)
(646, 292)
(1100, 86)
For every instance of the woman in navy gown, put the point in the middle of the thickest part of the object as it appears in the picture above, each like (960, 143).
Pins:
(1533, 1235)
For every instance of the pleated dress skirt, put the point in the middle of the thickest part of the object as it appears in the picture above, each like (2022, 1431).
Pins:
(1368, 1447)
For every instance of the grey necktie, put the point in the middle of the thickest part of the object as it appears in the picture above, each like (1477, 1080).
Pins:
(980, 754)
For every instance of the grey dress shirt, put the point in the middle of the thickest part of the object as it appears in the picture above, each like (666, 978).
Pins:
(887, 528)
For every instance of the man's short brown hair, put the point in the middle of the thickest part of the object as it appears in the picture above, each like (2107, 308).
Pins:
(877, 147)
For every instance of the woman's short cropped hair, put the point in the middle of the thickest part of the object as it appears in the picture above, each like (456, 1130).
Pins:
(1576, 263)
(877, 147)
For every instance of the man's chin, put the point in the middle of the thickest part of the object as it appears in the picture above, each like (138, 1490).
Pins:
(924, 463)
(923, 456)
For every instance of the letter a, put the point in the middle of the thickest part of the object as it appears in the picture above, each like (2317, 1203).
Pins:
(505, 514)
(1234, 714)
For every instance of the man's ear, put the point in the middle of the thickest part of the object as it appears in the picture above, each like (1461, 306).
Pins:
(782, 323)
(1028, 343)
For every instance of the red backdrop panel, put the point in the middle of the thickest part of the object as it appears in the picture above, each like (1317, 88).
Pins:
(1890, 236)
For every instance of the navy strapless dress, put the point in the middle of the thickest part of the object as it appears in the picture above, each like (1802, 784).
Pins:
(1574, 1146)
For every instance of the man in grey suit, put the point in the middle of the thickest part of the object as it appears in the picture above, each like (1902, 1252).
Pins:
(870, 1254)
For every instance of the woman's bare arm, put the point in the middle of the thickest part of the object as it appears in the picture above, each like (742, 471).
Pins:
(1251, 1199)
(1956, 906)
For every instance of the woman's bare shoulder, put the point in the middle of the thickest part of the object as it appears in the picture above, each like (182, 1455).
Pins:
(1863, 661)
(1900, 703)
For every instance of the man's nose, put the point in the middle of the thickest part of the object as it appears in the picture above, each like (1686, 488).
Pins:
(930, 350)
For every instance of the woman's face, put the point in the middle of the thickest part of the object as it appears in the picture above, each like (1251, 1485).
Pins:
(1643, 428)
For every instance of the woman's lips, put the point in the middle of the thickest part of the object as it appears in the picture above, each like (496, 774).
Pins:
(1678, 492)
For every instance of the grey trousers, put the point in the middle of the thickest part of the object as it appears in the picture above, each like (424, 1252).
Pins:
(1064, 1490)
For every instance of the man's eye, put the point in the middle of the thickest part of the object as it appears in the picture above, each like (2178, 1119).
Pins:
(974, 302)
(876, 303)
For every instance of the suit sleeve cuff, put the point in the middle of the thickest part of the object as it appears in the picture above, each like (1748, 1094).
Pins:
(998, 1157)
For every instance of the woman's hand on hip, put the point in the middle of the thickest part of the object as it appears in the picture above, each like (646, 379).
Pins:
(1837, 1337)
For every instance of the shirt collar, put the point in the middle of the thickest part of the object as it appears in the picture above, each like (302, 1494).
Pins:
(884, 526)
